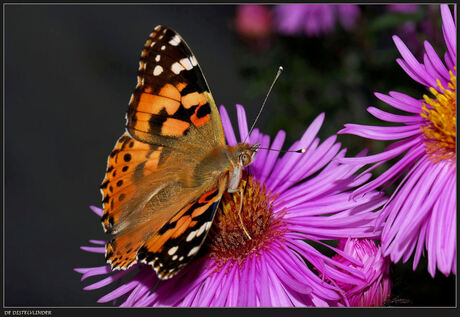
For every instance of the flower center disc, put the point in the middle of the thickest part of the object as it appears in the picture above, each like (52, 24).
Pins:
(440, 127)
(227, 239)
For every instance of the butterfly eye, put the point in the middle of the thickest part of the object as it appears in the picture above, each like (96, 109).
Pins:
(244, 159)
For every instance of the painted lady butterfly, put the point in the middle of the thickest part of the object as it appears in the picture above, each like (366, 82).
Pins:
(167, 173)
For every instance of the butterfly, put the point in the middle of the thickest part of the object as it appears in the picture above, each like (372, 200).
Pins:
(167, 173)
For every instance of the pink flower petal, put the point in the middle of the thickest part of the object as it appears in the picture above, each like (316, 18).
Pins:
(390, 117)
(436, 61)
(228, 129)
(412, 62)
(242, 123)
(98, 211)
(449, 30)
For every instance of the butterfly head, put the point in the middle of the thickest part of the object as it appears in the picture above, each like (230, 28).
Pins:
(241, 155)
(245, 153)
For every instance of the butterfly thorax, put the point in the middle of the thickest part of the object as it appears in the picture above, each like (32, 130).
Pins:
(222, 162)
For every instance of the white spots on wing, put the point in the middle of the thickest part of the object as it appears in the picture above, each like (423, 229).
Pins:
(204, 227)
(105, 230)
(140, 81)
(173, 250)
(171, 270)
(163, 48)
(164, 31)
(200, 231)
(183, 64)
(181, 258)
(196, 233)
(157, 58)
(160, 37)
(153, 43)
(131, 99)
(174, 257)
(175, 40)
(193, 60)
(176, 68)
(190, 236)
(157, 70)
(142, 65)
(157, 28)
(186, 63)
(193, 251)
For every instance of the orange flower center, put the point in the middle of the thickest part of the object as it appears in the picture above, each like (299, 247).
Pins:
(228, 240)
(440, 126)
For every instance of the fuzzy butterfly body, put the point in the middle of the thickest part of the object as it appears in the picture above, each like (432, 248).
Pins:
(167, 173)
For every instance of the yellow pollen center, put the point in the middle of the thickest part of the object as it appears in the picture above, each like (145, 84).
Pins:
(440, 126)
(227, 239)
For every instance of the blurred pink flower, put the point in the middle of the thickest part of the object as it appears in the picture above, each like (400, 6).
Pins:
(348, 15)
(405, 8)
(253, 20)
(253, 23)
(314, 19)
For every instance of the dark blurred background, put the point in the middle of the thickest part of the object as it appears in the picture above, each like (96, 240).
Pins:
(69, 73)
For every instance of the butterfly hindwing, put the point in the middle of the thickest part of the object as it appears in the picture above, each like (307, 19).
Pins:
(172, 99)
(173, 245)
(129, 162)
(179, 240)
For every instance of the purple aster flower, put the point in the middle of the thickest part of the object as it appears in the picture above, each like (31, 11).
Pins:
(314, 19)
(421, 213)
(376, 288)
(287, 200)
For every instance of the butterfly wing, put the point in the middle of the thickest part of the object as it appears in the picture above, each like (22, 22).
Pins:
(172, 120)
(172, 103)
(174, 245)
(129, 163)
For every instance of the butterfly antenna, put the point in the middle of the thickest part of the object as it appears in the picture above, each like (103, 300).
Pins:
(302, 150)
(280, 70)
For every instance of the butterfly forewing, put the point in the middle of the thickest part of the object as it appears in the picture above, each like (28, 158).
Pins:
(172, 99)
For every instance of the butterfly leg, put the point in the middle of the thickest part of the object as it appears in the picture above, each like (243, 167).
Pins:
(239, 215)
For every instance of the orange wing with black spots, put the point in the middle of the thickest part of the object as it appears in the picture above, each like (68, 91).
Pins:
(174, 245)
(129, 163)
(172, 101)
